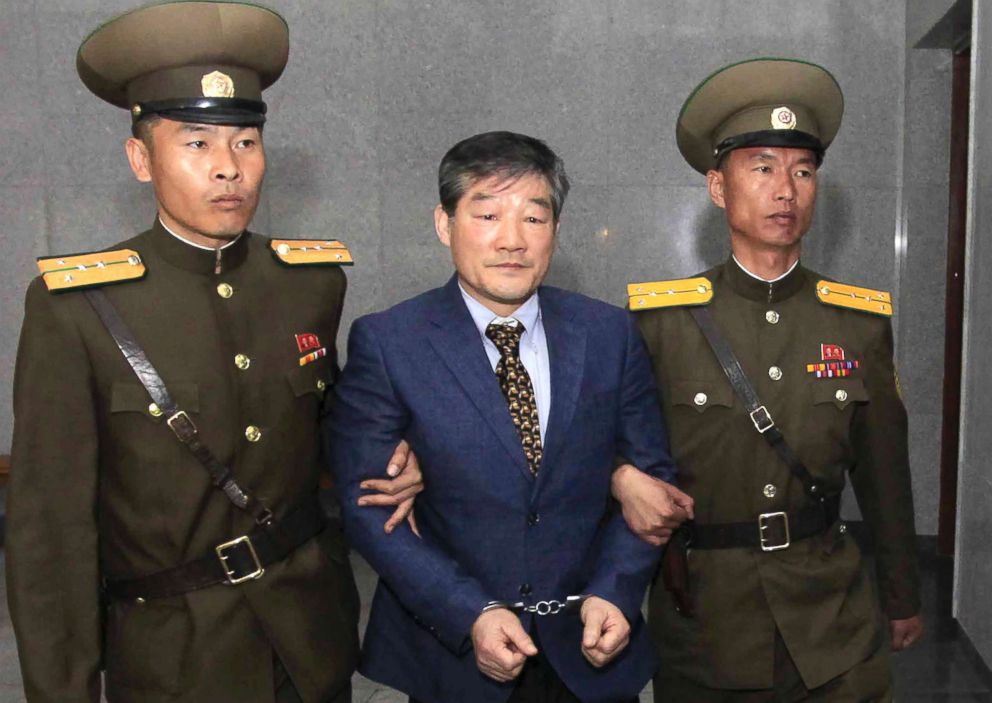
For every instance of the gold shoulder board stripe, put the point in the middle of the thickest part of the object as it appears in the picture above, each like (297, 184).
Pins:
(667, 294)
(100, 268)
(877, 302)
(311, 252)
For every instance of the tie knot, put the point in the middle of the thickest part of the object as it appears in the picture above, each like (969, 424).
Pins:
(506, 336)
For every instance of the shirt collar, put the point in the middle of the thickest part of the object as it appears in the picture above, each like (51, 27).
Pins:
(527, 314)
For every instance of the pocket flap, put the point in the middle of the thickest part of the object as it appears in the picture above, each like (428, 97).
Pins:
(316, 377)
(839, 391)
(132, 397)
(702, 394)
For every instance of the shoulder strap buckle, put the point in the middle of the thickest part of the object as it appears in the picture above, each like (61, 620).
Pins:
(762, 419)
(182, 427)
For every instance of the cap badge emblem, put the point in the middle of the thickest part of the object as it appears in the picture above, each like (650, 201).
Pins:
(217, 85)
(783, 118)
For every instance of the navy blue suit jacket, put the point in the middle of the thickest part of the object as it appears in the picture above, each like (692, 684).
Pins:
(491, 531)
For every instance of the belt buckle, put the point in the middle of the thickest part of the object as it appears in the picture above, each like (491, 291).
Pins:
(762, 419)
(230, 573)
(762, 526)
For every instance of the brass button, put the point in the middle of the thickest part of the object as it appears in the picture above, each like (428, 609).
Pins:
(139, 600)
(700, 399)
(842, 528)
(775, 373)
(841, 395)
(242, 361)
(321, 385)
(772, 317)
(154, 410)
(770, 490)
(224, 290)
(252, 433)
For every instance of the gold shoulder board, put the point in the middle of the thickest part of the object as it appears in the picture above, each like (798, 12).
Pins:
(101, 268)
(667, 294)
(877, 302)
(311, 252)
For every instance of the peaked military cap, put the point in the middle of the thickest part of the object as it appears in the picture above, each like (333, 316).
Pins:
(759, 102)
(189, 61)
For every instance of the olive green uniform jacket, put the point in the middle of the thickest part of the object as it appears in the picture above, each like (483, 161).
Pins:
(102, 489)
(817, 592)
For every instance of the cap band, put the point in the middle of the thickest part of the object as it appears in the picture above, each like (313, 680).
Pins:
(218, 111)
(790, 138)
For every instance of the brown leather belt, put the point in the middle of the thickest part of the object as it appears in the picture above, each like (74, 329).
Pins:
(771, 531)
(235, 561)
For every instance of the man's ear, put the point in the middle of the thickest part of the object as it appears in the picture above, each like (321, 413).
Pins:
(139, 158)
(441, 224)
(715, 184)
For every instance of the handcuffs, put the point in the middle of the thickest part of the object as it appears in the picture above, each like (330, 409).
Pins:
(543, 607)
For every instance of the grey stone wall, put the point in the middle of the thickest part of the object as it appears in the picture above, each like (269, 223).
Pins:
(973, 558)
(377, 90)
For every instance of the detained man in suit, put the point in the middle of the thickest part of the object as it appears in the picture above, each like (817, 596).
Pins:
(516, 397)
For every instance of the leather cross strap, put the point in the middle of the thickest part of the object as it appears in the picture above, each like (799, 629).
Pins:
(232, 562)
(759, 414)
(177, 420)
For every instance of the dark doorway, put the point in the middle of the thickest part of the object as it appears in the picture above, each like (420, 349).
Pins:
(954, 305)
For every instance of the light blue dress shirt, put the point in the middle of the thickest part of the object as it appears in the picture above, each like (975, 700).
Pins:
(533, 347)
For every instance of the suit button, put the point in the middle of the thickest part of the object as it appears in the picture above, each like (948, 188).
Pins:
(841, 395)
(772, 317)
(224, 290)
(252, 433)
(775, 373)
(533, 519)
(700, 399)
(242, 361)
(154, 410)
(525, 590)
(770, 490)
(321, 384)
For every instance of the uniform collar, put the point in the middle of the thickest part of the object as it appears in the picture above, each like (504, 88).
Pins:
(196, 259)
(748, 286)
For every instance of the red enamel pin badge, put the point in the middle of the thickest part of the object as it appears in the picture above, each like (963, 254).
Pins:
(833, 363)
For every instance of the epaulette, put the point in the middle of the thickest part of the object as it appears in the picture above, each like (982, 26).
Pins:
(102, 268)
(877, 302)
(667, 294)
(311, 252)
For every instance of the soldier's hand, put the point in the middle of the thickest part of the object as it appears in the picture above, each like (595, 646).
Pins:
(606, 631)
(501, 644)
(905, 632)
(400, 490)
(652, 508)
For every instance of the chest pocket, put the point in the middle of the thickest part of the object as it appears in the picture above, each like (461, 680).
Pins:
(702, 395)
(132, 397)
(839, 391)
(314, 378)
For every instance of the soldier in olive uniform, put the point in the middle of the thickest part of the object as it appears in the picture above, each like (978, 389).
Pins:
(163, 519)
(779, 605)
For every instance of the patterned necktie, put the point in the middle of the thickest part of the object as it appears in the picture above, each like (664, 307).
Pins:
(515, 383)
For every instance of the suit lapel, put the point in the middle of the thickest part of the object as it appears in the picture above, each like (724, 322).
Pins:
(566, 355)
(455, 339)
